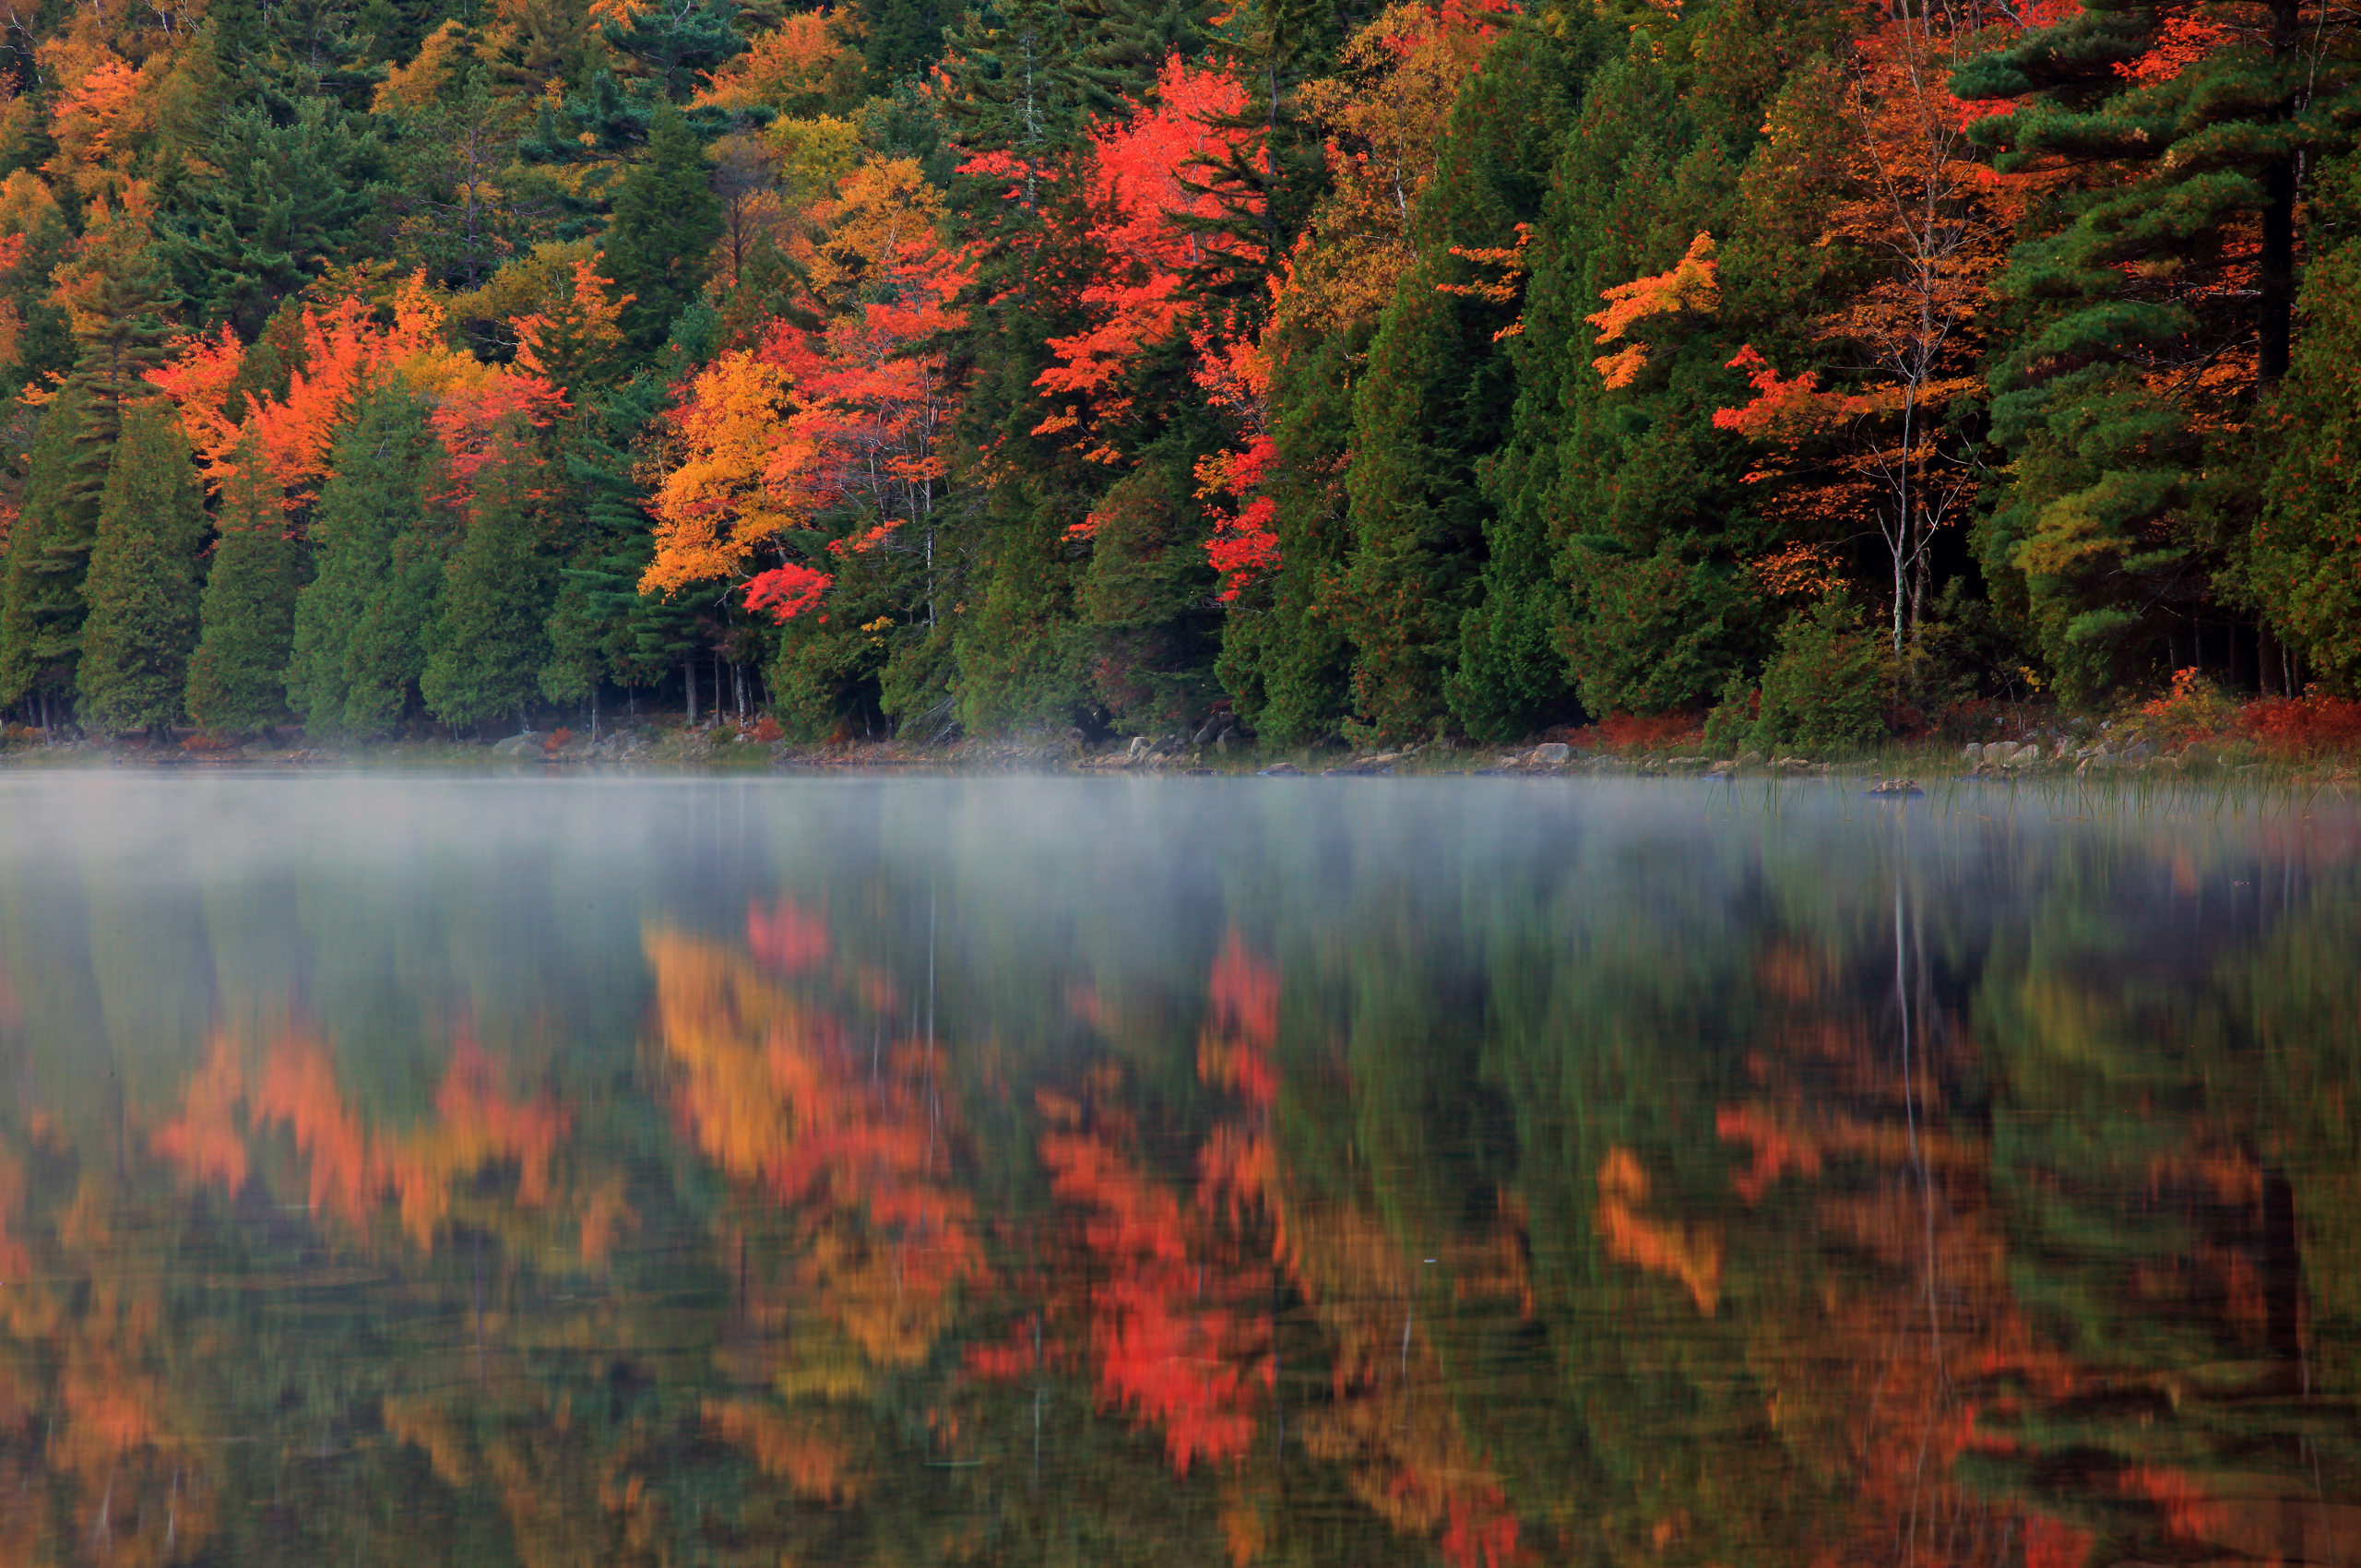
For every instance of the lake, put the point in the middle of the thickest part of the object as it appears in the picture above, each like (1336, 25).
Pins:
(1336, 1173)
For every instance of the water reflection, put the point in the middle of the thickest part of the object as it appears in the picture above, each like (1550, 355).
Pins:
(936, 1174)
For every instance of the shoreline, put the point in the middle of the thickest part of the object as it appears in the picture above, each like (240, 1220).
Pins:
(656, 748)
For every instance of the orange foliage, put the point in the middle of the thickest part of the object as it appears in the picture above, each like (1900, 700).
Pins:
(559, 346)
(802, 59)
(770, 1091)
(1142, 173)
(813, 1465)
(1167, 1345)
(1691, 284)
(849, 419)
(14, 1260)
(347, 351)
(475, 1128)
(1692, 1254)
(204, 1140)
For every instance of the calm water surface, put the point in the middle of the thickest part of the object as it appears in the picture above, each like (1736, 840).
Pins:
(1326, 1172)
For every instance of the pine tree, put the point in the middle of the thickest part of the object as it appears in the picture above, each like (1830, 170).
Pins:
(490, 644)
(358, 623)
(658, 243)
(2301, 568)
(676, 47)
(237, 678)
(1146, 597)
(142, 587)
(287, 204)
(1621, 514)
(2129, 485)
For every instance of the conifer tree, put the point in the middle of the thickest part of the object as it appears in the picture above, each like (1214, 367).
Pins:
(2129, 488)
(36, 600)
(237, 678)
(142, 587)
(666, 219)
(288, 203)
(114, 296)
(361, 621)
(489, 643)
(1440, 386)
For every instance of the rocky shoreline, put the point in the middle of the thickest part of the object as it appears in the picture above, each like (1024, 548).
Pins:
(726, 747)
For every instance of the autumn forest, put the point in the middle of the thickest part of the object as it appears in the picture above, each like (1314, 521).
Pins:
(1364, 372)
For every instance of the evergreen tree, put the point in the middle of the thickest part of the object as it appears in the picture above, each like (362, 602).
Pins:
(1146, 597)
(287, 204)
(2129, 486)
(489, 643)
(116, 296)
(39, 605)
(1436, 399)
(676, 47)
(360, 624)
(237, 678)
(142, 587)
(666, 219)
(1622, 514)
(599, 626)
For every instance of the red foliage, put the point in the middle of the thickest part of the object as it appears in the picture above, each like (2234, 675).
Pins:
(2049, 1544)
(785, 937)
(2305, 726)
(788, 591)
(1634, 732)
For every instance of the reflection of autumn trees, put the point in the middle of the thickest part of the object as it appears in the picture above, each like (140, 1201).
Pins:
(100, 1457)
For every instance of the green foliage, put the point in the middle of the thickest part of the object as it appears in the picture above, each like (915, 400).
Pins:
(1828, 682)
(2131, 489)
(1146, 599)
(288, 204)
(1435, 402)
(2302, 564)
(142, 588)
(41, 598)
(489, 642)
(666, 219)
(360, 623)
(237, 677)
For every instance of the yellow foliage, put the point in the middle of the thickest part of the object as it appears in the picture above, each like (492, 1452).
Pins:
(415, 86)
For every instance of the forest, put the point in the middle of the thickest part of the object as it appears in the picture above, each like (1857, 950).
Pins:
(1363, 372)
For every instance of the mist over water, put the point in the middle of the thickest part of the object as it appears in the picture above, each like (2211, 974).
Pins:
(857, 1169)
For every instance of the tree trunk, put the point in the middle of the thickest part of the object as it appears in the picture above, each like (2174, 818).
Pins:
(689, 678)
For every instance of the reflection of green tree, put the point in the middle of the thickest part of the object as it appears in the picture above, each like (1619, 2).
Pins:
(2175, 1153)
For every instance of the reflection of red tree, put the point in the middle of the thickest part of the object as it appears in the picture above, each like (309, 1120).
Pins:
(1166, 1303)
(1164, 1328)
(785, 937)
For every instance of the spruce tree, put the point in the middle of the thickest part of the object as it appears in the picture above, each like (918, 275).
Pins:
(358, 622)
(658, 243)
(142, 587)
(488, 643)
(237, 678)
